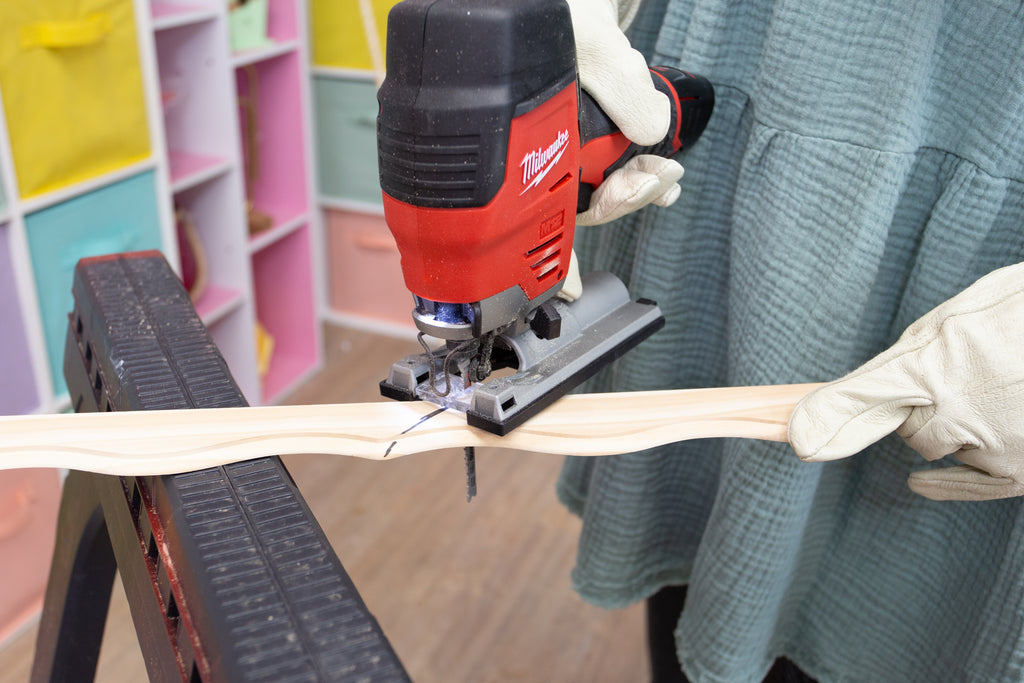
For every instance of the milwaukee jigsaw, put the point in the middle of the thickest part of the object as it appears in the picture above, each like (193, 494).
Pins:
(487, 150)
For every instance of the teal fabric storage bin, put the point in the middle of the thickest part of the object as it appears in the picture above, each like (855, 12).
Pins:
(346, 119)
(116, 218)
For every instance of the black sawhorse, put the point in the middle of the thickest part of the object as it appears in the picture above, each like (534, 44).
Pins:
(227, 573)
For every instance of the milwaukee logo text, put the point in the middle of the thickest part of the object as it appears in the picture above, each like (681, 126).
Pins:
(536, 164)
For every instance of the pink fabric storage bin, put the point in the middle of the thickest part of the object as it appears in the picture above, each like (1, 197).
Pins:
(29, 500)
(365, 271)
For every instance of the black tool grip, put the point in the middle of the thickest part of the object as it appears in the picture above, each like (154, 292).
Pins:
(692, 99)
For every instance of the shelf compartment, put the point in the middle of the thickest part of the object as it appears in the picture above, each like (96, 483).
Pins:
(285, 217)
(265, 52)
(117, 218)
(272, 124)
(167, 15)
(285, 306)
(346, 135)
(281, 21)
(225, 303)
(45, 201)
(19, 395)
(365, 269)
(189, 170)
(337, 33)
(256, 38)
(215, 303)
(76, 112)
(29, 504)
(232, 332)
(195, 74)
(280, 230)
(220, 228)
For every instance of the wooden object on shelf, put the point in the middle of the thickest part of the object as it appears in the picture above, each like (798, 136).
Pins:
(249, 104)
(257, 220)
(160, 442)
(194, 266)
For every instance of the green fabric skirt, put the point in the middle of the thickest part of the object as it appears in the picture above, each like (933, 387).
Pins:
(864, 163)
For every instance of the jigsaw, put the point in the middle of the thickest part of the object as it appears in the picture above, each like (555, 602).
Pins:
(488, 149)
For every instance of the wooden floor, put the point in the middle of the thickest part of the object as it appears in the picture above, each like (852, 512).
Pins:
(475, 592)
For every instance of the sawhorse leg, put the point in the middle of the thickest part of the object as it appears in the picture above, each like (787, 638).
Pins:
(78, 591)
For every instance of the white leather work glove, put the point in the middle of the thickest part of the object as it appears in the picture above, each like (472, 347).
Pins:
(572, 286)
(617, 77)
(644, 179)
(953, 384)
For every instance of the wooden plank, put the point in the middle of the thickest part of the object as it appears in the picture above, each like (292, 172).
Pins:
(171, 441)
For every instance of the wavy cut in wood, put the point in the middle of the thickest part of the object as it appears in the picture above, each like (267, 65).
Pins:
(171, 441)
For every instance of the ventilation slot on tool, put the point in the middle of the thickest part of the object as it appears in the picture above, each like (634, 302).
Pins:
(549, 267)
(546, 258)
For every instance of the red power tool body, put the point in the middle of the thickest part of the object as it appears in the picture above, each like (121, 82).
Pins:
(487, 151)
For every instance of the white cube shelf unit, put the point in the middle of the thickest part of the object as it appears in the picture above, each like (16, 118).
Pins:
(212, 115)
(238, 137)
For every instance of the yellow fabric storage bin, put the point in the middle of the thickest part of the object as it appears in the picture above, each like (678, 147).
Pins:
(72, 90)
(339, 36)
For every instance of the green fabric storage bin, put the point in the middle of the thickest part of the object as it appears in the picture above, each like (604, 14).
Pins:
(346, 120)
(248, 25)
(116, 218)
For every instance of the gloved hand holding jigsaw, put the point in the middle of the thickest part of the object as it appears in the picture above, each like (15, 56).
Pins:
(488, 149)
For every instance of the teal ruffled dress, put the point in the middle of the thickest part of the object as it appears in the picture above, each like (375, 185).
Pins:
(864, 163)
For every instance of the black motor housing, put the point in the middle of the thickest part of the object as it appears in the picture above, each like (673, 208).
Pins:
(458, 72)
